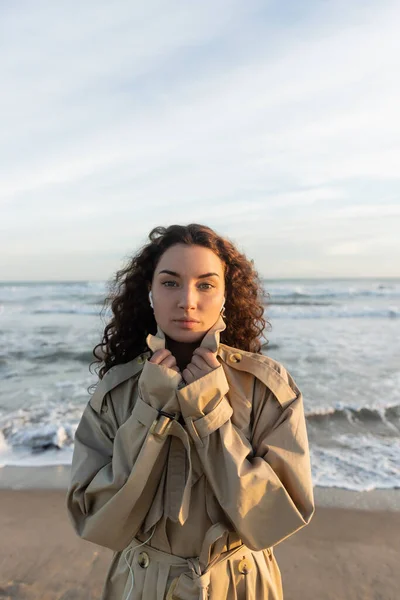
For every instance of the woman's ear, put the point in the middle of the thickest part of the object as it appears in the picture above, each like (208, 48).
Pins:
(151, 299)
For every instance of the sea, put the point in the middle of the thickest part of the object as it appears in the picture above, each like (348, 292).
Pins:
(339, 339)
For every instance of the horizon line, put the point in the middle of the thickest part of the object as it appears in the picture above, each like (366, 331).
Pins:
(298, 278)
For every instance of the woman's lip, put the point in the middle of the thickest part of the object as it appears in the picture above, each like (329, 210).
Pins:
(187, 324)
(187, 321)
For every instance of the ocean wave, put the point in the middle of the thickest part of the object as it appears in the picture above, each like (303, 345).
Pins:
(296, 302)
(49, 454)
(367, 416)
(68, 310)
(41, 428)
(43, 437)
(47, 357)
(338, 290)
(290, 311)
(356, 462)
(40, 437)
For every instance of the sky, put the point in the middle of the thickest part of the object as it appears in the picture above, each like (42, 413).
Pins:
(275, 123)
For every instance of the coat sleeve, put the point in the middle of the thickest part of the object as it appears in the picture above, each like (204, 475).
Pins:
(264, 487)
(116, 469)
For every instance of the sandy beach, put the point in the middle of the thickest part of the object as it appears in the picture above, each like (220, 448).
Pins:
(346, 553)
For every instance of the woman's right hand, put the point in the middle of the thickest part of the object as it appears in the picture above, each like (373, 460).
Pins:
(165, 358)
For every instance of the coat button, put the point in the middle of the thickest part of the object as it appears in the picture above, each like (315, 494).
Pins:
(244, 566)
(235, 357)
(143, 560)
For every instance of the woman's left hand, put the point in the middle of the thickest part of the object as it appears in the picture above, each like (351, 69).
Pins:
(203, 362)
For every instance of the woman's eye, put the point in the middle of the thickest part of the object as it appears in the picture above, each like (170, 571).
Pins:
(169, 283)
(209, 286)
(203, 286)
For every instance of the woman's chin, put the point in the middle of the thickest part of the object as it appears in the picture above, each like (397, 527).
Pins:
(185, 335)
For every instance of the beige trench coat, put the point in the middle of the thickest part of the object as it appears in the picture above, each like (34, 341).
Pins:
(210, 488)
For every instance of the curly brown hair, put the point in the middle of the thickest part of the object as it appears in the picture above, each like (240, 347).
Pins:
(132, 320)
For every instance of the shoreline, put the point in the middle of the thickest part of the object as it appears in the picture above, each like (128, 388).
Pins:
(56, 477)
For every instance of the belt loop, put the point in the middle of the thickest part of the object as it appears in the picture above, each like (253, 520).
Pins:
(193, 431)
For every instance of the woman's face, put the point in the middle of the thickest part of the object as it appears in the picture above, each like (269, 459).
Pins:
(188, 291)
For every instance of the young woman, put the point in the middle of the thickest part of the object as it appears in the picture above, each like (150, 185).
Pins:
(191, 459)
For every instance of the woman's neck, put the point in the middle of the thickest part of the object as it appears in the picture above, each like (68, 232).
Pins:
(182, 351)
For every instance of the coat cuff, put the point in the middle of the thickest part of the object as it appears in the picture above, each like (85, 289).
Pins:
(157, 387)
(203, 395)
(205, 426)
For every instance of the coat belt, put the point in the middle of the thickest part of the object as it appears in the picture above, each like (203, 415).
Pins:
(173, 495)
(193, 584)
(179, 477)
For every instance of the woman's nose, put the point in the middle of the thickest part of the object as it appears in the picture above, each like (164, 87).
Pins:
(187, 299)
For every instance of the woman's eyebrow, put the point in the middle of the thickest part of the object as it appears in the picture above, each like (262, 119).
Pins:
(177, 274)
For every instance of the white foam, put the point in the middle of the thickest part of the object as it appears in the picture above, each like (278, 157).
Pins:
(24, 458)
(4, 447)
(360, 463)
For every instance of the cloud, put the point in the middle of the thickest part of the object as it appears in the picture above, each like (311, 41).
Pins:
(260, 121)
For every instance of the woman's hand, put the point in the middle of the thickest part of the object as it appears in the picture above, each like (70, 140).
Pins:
(203, 362)
(165, 358)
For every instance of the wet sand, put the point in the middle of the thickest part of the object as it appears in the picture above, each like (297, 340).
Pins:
(348, 553)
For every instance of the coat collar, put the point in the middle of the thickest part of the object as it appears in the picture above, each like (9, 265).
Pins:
(210, 341)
